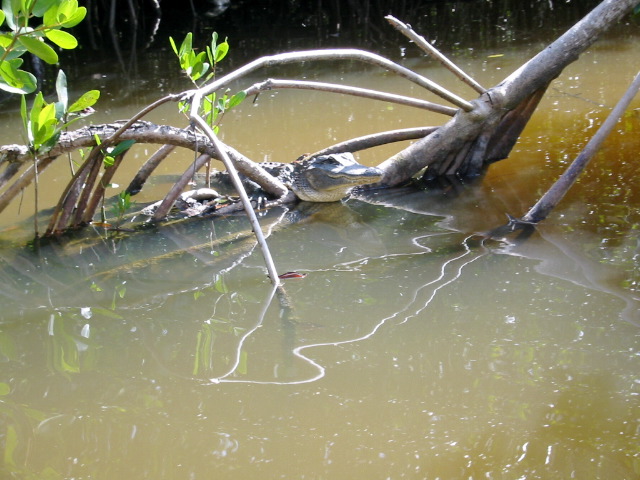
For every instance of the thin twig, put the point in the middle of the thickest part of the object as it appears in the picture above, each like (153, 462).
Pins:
(237, 183)
(425, 46)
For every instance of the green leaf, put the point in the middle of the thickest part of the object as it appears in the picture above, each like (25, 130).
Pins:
(108, 161)
(50, 16)
(185, 47)
(42, 6)
(62, 39)
(75, 19)
(87, 100)
(121, 147)
(67, 14)
(39, 49)
(24, 115)
(221, 51)
(5, 39)
(7, 8)
(45, 126)
(15, 80)
(237, 99)
(51, 141)
(61, 90)
(173, 45)
(2, 15)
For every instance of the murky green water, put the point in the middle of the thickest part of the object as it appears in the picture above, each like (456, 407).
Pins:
(412, 349)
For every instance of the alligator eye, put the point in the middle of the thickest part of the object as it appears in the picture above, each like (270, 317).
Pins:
(328, 160)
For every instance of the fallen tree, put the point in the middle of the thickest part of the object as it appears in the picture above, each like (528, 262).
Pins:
(481, 131)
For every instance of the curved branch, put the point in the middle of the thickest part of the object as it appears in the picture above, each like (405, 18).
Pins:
(376, 139)
(271, 84)
(332, 54)
(141, 132)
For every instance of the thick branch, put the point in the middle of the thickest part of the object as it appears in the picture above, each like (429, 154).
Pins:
(141, 132)
(376, 139)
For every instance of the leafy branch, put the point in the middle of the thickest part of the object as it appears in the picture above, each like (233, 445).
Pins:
(21, 38)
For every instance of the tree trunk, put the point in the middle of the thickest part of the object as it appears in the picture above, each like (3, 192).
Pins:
(473, 139)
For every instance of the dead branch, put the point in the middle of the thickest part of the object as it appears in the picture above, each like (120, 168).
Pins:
(220, 149)
(147, 169)
(271, 84)
(376, 140)
(425, 46)
(333, 55)
(141, 132)
(558, 190)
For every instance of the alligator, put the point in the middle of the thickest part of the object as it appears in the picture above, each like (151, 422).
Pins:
(324, 178)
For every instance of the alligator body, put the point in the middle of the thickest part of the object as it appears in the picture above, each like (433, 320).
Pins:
(325, 178)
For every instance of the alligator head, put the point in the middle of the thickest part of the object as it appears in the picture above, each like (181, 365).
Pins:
(330, 178)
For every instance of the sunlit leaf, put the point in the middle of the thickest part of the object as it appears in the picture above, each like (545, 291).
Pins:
(39, 49)
(15, 80)
(221, 51)
(50, 16)
(185, 46)
(70, 19)
(23, 114)
(87, 100)
(7, 7)
(62, 39)
(2, 15)
(173, 45)
(5, 40)
(51, 141)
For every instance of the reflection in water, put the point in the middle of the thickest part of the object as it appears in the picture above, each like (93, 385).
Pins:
(410, 346)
